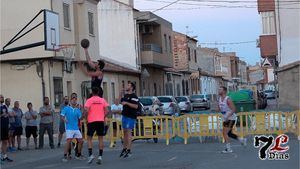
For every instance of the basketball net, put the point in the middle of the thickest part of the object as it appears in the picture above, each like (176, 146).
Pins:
(68, 53)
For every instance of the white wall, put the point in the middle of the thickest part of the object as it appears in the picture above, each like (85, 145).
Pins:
(288, 33)
(117, 32)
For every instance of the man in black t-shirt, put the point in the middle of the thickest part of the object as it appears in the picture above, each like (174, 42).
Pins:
(4, 130)
(129, 113)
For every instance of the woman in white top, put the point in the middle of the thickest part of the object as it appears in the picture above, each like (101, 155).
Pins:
(228, 110)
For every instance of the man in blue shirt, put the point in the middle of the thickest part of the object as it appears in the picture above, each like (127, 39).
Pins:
(71, 115)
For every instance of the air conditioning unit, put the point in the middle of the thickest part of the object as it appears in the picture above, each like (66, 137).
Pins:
(147, 29)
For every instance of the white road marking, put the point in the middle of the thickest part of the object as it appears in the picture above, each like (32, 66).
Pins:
(171, 159)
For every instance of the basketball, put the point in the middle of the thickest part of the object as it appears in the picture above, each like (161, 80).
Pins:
(85, 43)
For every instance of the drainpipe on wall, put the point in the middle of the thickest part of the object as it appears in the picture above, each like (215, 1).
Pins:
(40, 73)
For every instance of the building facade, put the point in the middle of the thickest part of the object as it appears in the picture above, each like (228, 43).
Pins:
(155, 51)
(186, 60)
(279, 42)
(242, 72)
(31, 74)
(118, 48)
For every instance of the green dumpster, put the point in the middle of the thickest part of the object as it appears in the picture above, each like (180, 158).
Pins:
(244, 106)
(243, 103)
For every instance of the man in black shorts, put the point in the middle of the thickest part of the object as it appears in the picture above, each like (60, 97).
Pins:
(130, 104)
(4, 131)
(96, 109)
(18, 124)
(31, 125)
(228, 110)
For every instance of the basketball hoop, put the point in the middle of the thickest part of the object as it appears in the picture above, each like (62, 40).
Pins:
(68, 54)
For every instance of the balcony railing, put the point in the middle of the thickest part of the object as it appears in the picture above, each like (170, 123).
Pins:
(152, 47)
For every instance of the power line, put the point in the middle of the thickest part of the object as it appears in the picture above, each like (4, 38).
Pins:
(227, 43)
(212, 3)
(231, 1)
(163, 7)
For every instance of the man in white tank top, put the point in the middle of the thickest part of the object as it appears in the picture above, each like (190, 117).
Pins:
(227, 108)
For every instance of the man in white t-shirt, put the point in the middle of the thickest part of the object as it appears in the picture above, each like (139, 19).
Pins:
(116, 110)
(227, 108)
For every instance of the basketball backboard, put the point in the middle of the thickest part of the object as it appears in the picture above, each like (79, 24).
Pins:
(50, 33)
(51, 30)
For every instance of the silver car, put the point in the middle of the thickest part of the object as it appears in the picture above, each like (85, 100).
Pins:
(170, 106)
(200, 101)
(152, 105)
(184, 103)
(270, 94)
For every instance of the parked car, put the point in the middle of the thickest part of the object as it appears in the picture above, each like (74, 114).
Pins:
(270, 94)
(184, 103)
(200, 101)
(170, 106)
(151, 105)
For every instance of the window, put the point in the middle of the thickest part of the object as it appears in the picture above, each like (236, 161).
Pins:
(166, 42)
(195, 55)
(178, 89)
(189, 53)
(58, 91)
(155, 89)
(123, 84)
(268, 23)
(66, 14)
(69, 88)
(113, 91)
(187, 87)
(91, 23)
(105, 92)
(170, 44)
(183, 87)
(169, 77)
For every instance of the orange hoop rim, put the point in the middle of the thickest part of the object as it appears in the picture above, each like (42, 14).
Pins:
(64, 46)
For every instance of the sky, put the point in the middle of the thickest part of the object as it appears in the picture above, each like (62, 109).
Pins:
(213, 25)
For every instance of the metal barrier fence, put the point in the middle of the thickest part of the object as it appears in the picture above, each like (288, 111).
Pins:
(203, 125)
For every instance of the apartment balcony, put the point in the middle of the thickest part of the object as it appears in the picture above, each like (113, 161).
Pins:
(152, 55)
(265, 5)
(268, 45)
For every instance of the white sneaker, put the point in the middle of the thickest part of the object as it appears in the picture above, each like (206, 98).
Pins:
(91, 159)
(65, 159)
(226, 151)
(99, 160)
(80, 158)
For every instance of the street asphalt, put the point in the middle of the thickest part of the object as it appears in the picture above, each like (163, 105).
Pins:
(148, 155)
